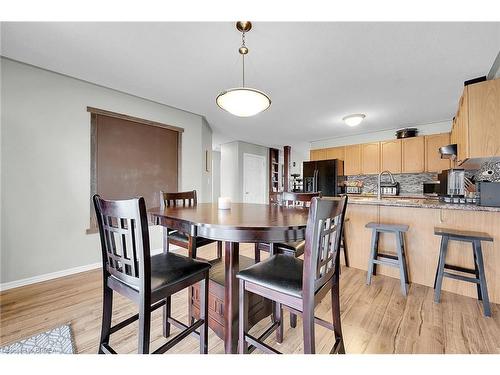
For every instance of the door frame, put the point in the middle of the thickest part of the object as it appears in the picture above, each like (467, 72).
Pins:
(263, 173)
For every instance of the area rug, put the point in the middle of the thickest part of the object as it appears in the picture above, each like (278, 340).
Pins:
(55, 341)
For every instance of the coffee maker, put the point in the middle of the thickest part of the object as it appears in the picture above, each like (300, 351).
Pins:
(452, 182)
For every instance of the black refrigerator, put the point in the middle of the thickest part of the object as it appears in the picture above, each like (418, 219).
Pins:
(326, 176)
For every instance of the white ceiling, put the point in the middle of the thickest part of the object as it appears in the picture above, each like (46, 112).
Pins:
(398, 74)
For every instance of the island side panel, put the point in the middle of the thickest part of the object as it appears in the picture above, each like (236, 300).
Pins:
(422, 246)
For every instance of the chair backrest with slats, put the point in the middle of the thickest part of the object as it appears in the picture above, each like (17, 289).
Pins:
(123, 228)
(323, 234)
(288, 198)
(183, 198)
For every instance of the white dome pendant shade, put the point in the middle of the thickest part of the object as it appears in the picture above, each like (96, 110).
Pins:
(243, 101)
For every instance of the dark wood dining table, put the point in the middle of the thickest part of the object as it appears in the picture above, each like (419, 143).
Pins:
(242, 223)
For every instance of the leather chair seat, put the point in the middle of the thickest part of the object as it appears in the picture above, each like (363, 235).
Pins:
(176, 236)
(295, 247)
(168, 269)
(282, 273)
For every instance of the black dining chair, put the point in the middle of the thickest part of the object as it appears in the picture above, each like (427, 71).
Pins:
(299, 285)
(174, 237)
(295, 248)
(130, 270)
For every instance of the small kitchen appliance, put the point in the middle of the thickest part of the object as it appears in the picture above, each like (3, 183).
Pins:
(452, 182)
(431, 189)
(489, 193)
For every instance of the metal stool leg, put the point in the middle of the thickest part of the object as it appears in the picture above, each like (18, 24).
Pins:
(402, 266)
(476, 268)
(442, 259)
(437, 270)
(405, 260)
(373, 256)
(482, 277)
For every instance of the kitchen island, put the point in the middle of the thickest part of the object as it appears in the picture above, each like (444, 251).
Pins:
(422, 246)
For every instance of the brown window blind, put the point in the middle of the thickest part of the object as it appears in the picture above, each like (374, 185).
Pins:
(133, 158)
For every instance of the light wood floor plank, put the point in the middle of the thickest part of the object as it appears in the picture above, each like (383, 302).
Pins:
(375, 318)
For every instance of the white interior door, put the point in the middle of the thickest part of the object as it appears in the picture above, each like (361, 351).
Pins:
(254, 178)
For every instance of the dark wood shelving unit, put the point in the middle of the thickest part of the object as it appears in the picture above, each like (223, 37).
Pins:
(274, 157)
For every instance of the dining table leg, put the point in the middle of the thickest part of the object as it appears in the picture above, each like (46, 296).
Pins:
(231, 297)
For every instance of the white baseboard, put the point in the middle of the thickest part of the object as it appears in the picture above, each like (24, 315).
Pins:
(48, 276)
(62, 273)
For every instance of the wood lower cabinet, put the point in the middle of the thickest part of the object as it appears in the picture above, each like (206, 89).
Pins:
(413, 150)
(352, 161)
(422, 246)
(433, 161)
(391, 156)
(318, 154)
(259, 307)
(370, 158)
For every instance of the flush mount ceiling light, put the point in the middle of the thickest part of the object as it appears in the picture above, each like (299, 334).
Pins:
(243, 101)
(353, 120)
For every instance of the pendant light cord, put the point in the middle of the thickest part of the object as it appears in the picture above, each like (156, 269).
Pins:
(243, 55)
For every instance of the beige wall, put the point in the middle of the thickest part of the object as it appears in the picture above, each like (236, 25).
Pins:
(45, 161)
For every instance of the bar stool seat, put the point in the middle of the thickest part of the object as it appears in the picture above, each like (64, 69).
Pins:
(398, 260)
(388, 227)
(479, 278)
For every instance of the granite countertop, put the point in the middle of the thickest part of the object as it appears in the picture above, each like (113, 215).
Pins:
(416, 201)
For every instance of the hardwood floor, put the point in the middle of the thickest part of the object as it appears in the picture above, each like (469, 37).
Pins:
(375, 318)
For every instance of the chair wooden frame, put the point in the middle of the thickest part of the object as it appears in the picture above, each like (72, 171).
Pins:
(127, 271)
(287, 199)
(184, 199)
(320, 275)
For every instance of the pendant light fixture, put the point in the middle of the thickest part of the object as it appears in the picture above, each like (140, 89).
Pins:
(243, 101)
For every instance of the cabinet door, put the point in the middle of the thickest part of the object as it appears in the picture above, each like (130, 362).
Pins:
(335, 153)
(433, 161)
(390, 156)
(370, 158)
(484, 119)
(413, 155)
(453, 133)
(352, 161)
(462, 120)
(318, 154)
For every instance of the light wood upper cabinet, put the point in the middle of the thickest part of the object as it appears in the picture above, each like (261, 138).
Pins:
(370, 158)
(462, 128)
(433, 161)
(483, 101)
(318, 154)
(475, 127)
(390, 156)
(413, 155)
(335, 153)
(352, 160)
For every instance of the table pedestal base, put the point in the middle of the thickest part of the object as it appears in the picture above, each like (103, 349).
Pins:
(260, 308)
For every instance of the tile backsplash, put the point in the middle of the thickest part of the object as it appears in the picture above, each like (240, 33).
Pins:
(409, 183)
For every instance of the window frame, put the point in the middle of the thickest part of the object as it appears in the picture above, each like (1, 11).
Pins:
(94, 112)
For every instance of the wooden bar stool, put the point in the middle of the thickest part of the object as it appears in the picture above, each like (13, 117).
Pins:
(299, 285)
(398, 260)
(149, 281)
(475, 239)
(184, 240)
